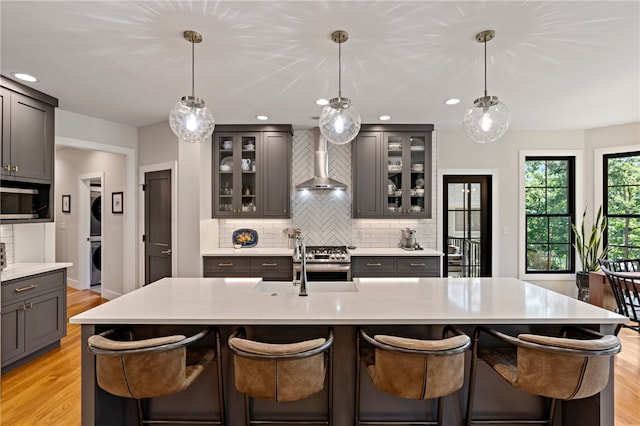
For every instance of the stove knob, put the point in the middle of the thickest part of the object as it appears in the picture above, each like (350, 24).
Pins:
(309, 256)
(343, 256)
(332, 256)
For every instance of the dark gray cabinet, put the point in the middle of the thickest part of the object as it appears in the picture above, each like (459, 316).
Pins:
(33, 314)
(395, 266)
(251, 171)
(269, 268)
(27, 151)
(392, 171)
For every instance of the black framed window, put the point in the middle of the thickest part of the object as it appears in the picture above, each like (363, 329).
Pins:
(622, 204)
(549, 211)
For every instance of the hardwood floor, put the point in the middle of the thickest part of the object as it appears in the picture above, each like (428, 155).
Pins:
(47, 390)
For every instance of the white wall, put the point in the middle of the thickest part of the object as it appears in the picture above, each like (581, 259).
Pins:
(70, 164)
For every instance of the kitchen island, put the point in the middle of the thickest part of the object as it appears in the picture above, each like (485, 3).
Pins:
(273, 311)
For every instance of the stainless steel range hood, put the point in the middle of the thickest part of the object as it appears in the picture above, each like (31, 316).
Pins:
(320, 179)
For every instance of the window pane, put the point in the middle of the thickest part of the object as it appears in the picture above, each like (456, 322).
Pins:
(559, 257)
(537, 257)
(534, 174)
(559, 230)
(623, 231)
(557, 202)
(557, 173)
(534, 200)
(624, 199)
(537, 230)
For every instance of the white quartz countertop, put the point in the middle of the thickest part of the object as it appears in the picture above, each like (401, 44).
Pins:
(235, 301)
(364, 251)
(251, 251)
(21, 270)
(393, 251)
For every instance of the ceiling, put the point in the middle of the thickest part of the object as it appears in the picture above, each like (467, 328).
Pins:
(555, 64)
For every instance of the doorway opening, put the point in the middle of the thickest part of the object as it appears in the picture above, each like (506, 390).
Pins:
(467, 225)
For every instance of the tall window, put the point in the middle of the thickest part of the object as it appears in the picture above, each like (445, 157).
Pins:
(549, 209)
(622, 204)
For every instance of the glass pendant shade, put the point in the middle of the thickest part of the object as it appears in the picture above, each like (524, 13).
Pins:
(339, 121)
(487, 120)
(191, 120)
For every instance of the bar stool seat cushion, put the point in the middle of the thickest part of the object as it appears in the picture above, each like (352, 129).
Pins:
(553, 374)
(417, 376)
(148, 375)
(286, 379)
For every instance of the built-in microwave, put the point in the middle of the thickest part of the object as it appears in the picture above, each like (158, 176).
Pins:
(19, 203)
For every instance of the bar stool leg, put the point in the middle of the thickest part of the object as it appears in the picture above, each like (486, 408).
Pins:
(472, 379)
(220, 381)
(356, 421)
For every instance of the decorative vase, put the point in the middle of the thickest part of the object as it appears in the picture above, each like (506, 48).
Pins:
(582, 281)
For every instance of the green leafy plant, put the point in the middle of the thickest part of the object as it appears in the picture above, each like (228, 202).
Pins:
(589, 246)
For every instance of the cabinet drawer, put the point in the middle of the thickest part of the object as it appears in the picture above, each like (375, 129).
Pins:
(33, 285)
(411, 266)
(271, 268)
(373, 266)
(225, 266)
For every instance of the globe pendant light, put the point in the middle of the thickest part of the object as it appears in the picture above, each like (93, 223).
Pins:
(190, 119)
(488, 119)
(339, 122)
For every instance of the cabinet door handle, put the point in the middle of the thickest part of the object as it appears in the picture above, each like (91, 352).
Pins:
(7, 167)
(29, 305)
(29, 287)
(225, 265)
(14, 169)
(417, 264)
(270, 265)
(21, 308)
(374, 264)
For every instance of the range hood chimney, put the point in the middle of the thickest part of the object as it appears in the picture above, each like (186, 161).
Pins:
(320, 179)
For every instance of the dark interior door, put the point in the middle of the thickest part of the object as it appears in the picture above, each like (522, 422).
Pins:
(157, 225)
(467, 226)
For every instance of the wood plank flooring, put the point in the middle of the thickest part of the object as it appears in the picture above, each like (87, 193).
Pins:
(46, 391)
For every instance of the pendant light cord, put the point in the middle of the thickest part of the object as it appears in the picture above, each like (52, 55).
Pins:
(485, 67)
(193, 73)
(340, 70)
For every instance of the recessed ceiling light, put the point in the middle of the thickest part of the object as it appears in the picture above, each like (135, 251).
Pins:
(262, 117)
(452, 101)
(24, 77)
(384, 117)
(322, 102)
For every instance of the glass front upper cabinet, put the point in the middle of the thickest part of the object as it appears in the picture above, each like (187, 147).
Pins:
(237, 170)
(406, 167)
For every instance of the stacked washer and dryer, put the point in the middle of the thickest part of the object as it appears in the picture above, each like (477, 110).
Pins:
(95, 237)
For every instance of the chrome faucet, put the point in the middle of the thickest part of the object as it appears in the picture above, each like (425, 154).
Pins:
(301, 252)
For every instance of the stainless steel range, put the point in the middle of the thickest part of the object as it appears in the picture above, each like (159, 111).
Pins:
(325, 263)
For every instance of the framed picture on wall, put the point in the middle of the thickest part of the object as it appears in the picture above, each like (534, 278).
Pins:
(117, 203)
(66, 204)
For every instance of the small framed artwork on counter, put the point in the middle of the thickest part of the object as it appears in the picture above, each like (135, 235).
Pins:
(117, 203)
(66, 204)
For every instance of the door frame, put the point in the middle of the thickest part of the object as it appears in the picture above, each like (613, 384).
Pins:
(173, 167)
(129, 228)
(495, 244)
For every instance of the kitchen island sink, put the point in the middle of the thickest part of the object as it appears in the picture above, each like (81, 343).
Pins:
(287, 287)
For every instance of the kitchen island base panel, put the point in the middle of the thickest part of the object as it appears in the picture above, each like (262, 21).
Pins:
(492, 394)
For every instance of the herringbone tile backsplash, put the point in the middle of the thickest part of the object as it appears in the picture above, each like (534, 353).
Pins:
(325, 216)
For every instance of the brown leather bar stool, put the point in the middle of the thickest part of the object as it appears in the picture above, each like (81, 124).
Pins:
(558, 368)
(282, 372)
(412, 369)
(154, 367)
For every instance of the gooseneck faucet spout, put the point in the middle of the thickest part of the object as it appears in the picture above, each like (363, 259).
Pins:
(302, 252)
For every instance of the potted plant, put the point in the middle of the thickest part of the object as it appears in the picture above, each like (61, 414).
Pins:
(589, 250)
